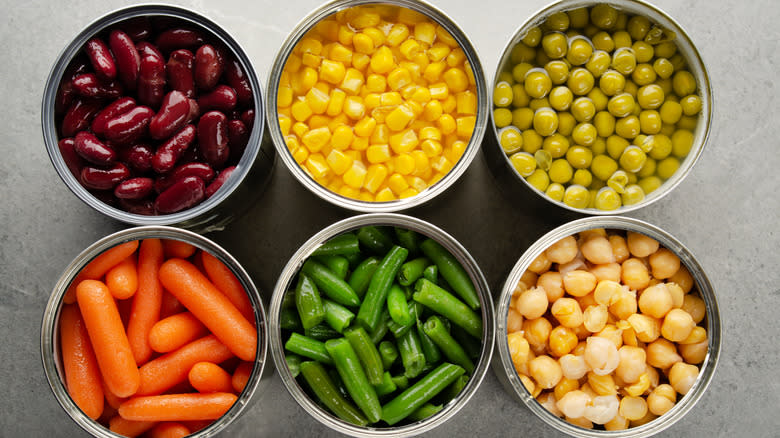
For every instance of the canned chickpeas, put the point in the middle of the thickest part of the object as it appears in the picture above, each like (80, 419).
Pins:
(377, 106)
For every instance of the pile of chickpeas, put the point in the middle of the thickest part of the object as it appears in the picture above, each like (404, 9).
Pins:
(596, 108)
(603, 329)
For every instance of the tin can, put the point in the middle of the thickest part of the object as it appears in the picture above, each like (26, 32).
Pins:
(50, 340)
(429, 193)
(505, 370)
(285, 283)
(252, 171)
(516, 187)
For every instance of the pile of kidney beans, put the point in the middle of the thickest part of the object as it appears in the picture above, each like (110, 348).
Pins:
(153, 116)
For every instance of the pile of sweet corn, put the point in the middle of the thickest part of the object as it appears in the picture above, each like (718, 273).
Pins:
(377, 103)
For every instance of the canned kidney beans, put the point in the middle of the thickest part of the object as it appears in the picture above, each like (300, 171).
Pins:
(153, 115)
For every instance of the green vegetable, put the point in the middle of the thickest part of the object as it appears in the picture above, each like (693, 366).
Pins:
(367, 353)
(421, 392)
(338, 265)
(308, 347)
(389, 354)
(387, 386)
(308, 302)
(337, 316)
(445, 304)
(412, 355)
(397, 306)
(447, 344)
(348, 366)
(331, 285)
(361, 276)
(452, 271)
(344, 244)
(374, 301)
(319, 381)
(293, 363)
(375, 239)
(412, 270)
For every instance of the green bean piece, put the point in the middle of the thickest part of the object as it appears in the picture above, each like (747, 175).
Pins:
(319, 381)
(425, 411)
(361, 276)
(376, 296)
(308, 347)
(408, 292)
(408, 239)
(293, 364)
(288, 301)
(334, 375)
(401, 382)
(344, 244)
(337, 264)
(452, 271)
(432, 274)
(429, 348)
(337, 316)
(308, 302)
(455, 388)
(354, 378)
(374, 239)
(447, 344)
(388, 353)
(397, 306)
(381, 329)
(412, 355)
(322, 332)
(412, 270)
(289, 320)
(399, 330)
(367, 353)
(445, 304)
(331, 285)
(354, 259)
(471, 345)
(420, 393)
(387, 386)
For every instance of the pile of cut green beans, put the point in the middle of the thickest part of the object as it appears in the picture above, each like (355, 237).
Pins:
(383, 326)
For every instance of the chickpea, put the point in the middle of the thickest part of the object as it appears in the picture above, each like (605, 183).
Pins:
(602, 409)
(694, 353)
(632, 363)
(640, 245)
(639, 387)
(678, 296)
(682, 376)
(561, 341)
(594, 318)
(698, 334)
(623, 304)
(529, 278)
(602, 385)
(541, 264)
(545, 371)
(548, 401)
(514, 321)
(683, 278)
(644, 420)
(537, 331)
(663, 263)
(564, 387)
(695, 307)
(552, 283)
(573, 366)
(588, 390)
(597, 250)
(655, 301)
(661, 399)
(647, 328)
(618, 423)
(677, 325)
(529, 384)
(653, 376)
(573, 403)
(601, 355)
(607, 292)
(634, 274)
(579, 283)
(662, 354)
(567, 311)
(563, 251)
(611, 333)
(607, 271)
(532, 303)
(633, 408)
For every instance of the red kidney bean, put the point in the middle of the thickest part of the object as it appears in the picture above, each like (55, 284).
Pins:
(248, 117)
(151, 76)
(134, 188)
(143, 207)
(104, 179)
(66, 93)
(236, 78)
(219, 181)
(169, 152)
(90, 148)
(223, 98)
(69, 155)
(129, 127)
(138, 157)
(178, 38)
(213, 138)
(191, 155)
(181, 195)
(180, 71)
(101, 59)
(201, 170)
(79, 116)
(194, 110)
(105, 196)
(88, 85)
(208, 67)
(145, 48)
(238, 137)
(172, 116)
(115, 108)
(128, 61)
(138, 28)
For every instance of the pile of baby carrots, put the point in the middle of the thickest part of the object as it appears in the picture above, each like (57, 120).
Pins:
(157, 337)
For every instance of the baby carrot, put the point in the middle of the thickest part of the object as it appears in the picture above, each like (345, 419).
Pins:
(207, 303)
(174, 331)
(209, 377)
(241, 376)
(147, 300)
(170, 305)
(178, 249)
(228, 284)
(177, 407)
(99, 266)
(122, 279)
(197, 425)
(108, 337)
(82, 375)
(129, 428)
(112, 399)
(169, 430)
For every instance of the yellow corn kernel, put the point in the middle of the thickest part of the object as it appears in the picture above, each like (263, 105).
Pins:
(441, 164)
(449, 140)
(385, 195)
(363, 17)
(421, 60)
(293, 63)
(332, 71)
(398, 78)
(348, 192)
(397, 183)
(436, 178)
(311, 60)
(408, 90)
(425, 32)
(456, 80)
(317, 100)
(353, 80)
(340, 53)
(376, 83)
(399, 118)
(444, 37)
(381, 134)
(376, 35)
(421, 163)
(372, 100)
(284, 97)
(392, 98)
(434, 70)
(417, 110)
(438, 52)
(322, 86)
(363, 43)
(359, 143)
(378, 153)
(338, 161)
(345, 35)
(421, 95)
(300, 128)
(336, 103)
(300, 154)
(382, 61)
(404, 164)
(315, 139)
(397, 34)
(415, 70)
(317, 166)
(432, 148)
(404, 141)
(341, 137)
(408, 193)
(365, 195)
(439, 91)
(355, 175)
(301, 111)
(417, 125)
(430, 133)
(465, 126)
(354, 154)
(455, 151)
(456, 57)
(284, 112)
(354, 107)
(375, 176)
(360, 61)
(318, 121)
(308, 77)
(334, 184)
(469, 73)
(410, 48)
(284, 124)
(417, 183)
(365, 126)
(447, 124)
(449, 104)
(292, 142)
(466, 103)
(340, 119)
(309, 45)
(432, 111)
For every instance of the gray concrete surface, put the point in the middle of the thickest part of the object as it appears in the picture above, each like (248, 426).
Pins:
(726, 212)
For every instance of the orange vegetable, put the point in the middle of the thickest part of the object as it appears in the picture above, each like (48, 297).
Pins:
(147, 301)
(241, 376)
(208, 377)
(164, 372)
(82, 375)
(210, 306)
(228, 284)
(196, 426)
(112, 399)
(178, 249)
(129, 428)
(99, 266)
(122, 279)
(108, 337)
(170, 305)
(169, 430)
(174, 331)
(177, 407)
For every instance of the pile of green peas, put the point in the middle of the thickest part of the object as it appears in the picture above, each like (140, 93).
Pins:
(596, 108)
